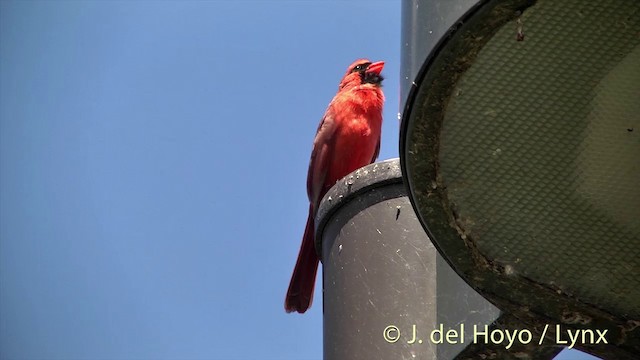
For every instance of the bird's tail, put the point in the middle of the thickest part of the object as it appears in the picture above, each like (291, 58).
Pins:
(300, 293)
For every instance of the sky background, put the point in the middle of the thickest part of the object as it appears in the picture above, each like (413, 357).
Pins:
(153, 161)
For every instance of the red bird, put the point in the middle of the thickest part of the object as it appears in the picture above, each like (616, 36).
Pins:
(347, 139)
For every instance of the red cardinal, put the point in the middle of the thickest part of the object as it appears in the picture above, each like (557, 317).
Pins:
(347, 138)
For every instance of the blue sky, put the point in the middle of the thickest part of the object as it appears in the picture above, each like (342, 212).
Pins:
(153, 162)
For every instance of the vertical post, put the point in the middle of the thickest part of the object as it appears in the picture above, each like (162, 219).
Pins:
(387, 293)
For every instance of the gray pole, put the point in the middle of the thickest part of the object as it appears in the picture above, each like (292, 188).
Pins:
(386, 290)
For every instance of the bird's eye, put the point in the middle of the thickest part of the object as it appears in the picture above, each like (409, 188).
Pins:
(360, 67)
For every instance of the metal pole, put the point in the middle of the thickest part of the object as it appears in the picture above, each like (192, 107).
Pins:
(387, 293)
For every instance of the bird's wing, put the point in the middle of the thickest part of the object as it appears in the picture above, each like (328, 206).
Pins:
(320, 157)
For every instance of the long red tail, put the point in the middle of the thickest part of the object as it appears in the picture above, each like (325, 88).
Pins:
(303, 280)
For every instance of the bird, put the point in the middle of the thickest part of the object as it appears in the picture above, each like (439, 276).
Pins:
(347, 138)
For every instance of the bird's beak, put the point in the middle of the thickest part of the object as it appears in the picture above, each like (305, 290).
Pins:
(376, 67)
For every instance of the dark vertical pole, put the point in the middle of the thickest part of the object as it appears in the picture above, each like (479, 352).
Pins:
(424, 23)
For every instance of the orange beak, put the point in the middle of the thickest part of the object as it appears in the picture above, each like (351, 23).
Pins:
(376, 67)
